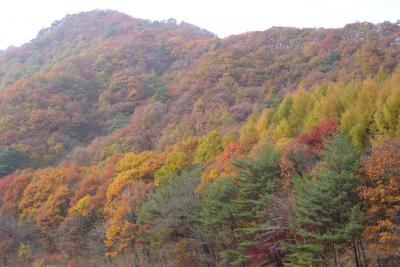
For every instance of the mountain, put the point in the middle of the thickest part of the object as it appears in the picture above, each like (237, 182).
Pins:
(102, 108)
(92, 73)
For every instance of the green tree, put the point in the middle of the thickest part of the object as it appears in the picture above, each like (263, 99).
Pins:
(216, 217)
(257, 178)
(332, 57)
(233, 208)
(169, 212)
(161, 94)
(11, 159)
(326, 214)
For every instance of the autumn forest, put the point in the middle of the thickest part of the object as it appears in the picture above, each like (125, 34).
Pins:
(134, 143)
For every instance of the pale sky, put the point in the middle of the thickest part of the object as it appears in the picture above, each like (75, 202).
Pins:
(21, 20)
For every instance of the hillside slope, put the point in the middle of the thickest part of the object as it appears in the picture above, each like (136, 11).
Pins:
(92, 73)
(126, 142)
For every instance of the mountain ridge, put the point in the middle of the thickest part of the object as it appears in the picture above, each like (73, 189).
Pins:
(130, 142)
(106, 65)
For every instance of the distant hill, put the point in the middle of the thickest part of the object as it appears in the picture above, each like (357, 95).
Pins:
(93, 73)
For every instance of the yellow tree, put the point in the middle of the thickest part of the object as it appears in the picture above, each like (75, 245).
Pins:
(175, 162)
(133, 181)
(209, 148)
(360, 107)
(387, 117)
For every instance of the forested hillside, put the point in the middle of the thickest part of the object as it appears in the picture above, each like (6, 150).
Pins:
(127, 142)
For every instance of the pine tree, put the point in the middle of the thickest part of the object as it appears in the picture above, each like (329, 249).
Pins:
(216, 216)
(258, 178)
(326, 214)
(11, 159)
(161, 94)
(170, 210)
(233, 208)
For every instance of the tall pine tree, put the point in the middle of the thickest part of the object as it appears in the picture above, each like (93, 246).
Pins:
(216, 218)
(326, 214)
(258, 178)
(233, 208)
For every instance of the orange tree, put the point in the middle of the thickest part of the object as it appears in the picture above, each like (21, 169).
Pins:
(380, 191)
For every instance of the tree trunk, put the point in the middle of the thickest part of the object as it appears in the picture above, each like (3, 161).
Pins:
(214, 256)
(133, 247)
(203, 249)
(278, 260)
(198, 253)
(356, 257)
(336, 256)
(323, 260)
(123, 257)
(379, 261)
(363, 253)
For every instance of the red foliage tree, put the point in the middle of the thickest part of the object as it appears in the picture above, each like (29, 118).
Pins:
(302, 153)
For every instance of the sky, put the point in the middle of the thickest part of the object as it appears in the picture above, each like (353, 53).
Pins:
(21, 20)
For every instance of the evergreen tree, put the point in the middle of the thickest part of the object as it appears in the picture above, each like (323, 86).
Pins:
(11, 159)
(258, 178)
(161, 94)
(326, 214)
(170, 211)
(232, 211)
(216, 216)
